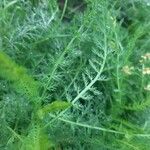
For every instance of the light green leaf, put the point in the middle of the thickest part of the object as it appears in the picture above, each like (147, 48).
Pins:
(53, 107)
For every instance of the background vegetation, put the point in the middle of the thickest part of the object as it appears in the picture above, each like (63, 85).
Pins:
(74, 75)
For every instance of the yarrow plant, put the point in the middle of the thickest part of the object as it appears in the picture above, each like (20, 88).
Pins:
(74, 74)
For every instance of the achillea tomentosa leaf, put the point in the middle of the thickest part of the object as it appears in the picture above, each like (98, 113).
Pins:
(36, 140)
(23, 82)
(53, 107)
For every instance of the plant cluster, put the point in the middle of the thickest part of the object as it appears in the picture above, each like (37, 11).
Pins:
(74, 75)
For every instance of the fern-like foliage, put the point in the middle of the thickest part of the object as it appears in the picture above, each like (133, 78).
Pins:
(74, 75)
(17, 74)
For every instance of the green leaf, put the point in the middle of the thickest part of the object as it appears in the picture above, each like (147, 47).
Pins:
(37, 139)
(53, 107)
(24, 83)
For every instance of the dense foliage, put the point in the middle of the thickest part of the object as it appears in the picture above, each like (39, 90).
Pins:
(74, 75)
